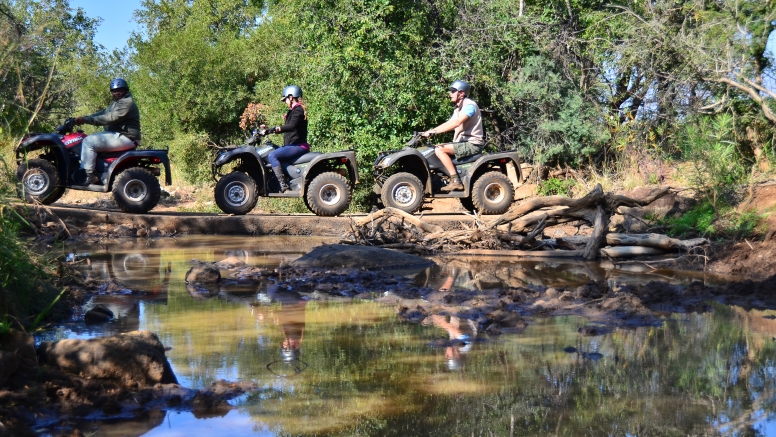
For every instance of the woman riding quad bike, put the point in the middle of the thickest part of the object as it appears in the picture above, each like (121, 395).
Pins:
(323, 180)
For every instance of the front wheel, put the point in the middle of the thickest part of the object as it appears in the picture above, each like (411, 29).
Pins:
(492, 193)
(236, 193)
(328, 194)
(39, 182)
(403, 191)
(136, 190)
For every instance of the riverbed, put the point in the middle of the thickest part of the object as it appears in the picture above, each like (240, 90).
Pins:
(352, 367)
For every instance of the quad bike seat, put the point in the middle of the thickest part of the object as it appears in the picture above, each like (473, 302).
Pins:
(307, 157)
(109, 155)
(467, 160)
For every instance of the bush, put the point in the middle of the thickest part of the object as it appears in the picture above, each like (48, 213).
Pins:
(707, 221)
(556, 187)
(190, 158)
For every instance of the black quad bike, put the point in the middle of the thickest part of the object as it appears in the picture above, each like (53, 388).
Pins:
(404, 178)
(323, 180)
(132, 175)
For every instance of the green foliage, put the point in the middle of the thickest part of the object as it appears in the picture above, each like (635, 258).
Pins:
(556, 187)
(24, 289)
(47, 56)
(709, 143)
(700, 219)
(706, 220)
(190, 155)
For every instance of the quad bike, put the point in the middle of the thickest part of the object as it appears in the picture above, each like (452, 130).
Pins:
(405, 178)
(323, 180)
(132, 175)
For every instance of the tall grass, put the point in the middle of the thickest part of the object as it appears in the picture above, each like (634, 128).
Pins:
(27, 292)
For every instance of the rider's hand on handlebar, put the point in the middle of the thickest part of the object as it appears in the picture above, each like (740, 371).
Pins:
(428, 133)
(79, 120)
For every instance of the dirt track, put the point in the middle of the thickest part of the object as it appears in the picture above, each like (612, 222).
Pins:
(80, 220)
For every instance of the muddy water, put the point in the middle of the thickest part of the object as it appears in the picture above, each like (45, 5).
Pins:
(351, 368)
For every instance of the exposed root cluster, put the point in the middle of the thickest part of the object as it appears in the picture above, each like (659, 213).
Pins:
(519, 231)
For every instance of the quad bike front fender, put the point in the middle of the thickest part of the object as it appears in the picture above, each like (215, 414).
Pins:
(54, 144)
(409, 160)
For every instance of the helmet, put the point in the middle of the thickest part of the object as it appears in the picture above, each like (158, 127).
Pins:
(460, 85)
(118, 83)
(291, 90)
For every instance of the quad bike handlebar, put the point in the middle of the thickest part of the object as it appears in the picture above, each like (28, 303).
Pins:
(66, 127)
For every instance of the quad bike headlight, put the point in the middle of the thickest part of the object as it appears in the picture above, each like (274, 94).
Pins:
(220, 159)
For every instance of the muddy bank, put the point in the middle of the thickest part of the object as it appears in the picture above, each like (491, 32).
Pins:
(125, 376)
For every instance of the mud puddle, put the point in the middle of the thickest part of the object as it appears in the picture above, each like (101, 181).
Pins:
(351, 366)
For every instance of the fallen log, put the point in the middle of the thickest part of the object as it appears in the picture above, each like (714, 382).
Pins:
(658, 241)
(630, 251)
(521, 253)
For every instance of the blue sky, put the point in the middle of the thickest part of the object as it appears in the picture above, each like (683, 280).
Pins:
(117, 23)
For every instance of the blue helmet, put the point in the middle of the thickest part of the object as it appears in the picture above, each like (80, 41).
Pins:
(291, 90)
(461, 85)
(118, 83)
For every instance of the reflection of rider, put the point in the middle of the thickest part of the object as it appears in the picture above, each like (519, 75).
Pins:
(291, 319)
(294, 134)
(122, 128)
(462, 332)
(469, 135)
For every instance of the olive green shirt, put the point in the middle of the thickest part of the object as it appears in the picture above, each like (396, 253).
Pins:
(120, 116)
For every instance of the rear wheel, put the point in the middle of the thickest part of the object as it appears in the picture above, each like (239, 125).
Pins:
(403, 191)
(136, 190)
(236, 193)
(492, 193)
(328, 194)
(39, 181)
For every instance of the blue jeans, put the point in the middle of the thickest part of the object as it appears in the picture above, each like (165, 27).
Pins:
(285, 153)
(102, 142)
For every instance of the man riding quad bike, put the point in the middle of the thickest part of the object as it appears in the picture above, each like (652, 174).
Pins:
(458, 169)
(103, 161)
(404, 178)
(323, 180)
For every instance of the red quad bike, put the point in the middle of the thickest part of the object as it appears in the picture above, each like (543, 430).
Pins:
(132, 174)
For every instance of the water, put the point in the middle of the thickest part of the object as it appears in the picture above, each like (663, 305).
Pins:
(354, 369)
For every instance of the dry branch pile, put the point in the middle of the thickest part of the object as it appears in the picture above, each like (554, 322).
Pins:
(519, 231)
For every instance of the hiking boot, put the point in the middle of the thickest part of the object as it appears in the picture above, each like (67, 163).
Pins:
(454, 185)
(92, 179)
(281, 178)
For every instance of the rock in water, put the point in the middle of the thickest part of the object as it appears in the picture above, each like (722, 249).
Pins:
(134, 358)
(100, 313)
(203, 274)
(336, 256)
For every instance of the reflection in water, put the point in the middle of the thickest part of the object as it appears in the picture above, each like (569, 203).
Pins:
(369, 374)
(291, 319)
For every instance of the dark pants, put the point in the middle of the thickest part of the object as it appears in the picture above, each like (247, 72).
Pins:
(285, 153)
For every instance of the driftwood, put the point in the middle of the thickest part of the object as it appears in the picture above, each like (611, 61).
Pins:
(630, 251)
(522, 228)
(387, 212)
(523, 253)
